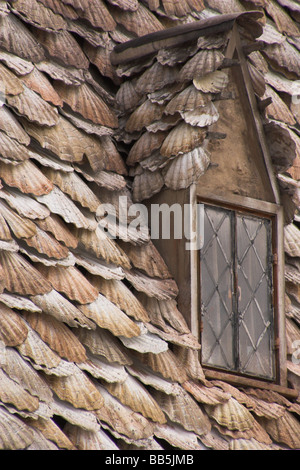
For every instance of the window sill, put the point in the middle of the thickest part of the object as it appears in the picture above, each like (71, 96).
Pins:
(249, 382)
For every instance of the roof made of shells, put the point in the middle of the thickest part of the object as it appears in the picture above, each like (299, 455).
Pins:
(94, 353)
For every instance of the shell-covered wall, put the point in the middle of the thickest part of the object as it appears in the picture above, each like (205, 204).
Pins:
(94, 353)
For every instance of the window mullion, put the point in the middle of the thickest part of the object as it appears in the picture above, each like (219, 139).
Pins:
(235, 312)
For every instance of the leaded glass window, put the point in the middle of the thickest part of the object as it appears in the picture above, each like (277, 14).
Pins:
(236, 292)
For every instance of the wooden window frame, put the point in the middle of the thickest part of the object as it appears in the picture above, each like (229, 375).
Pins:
(274, 212)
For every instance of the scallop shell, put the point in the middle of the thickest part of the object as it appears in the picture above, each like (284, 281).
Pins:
(62, 309)
(285, 429)
(37, 351)
(122, 419)
(21, 277)
(178, 437)
(95, 12)
(14, 433)
(283, 21)
(17, 39)
(189, 358)
(16, 64)
(212, 82)
(30, 105)
(207, 395)
(69, 76)
(166, 364)
(71, 184)
(100, 57)
(38, 15)
(186, 169)
(102, 246)
(21, 227)
(89, 440)
(59, 203)
(131, 393)
(78, 390)
(231, 415)
(184, 410)
(71, 282)
(144, 115)
(119, 294)
(63, 48)
(56, 226)
(102, 343)
(201, 117)
(11, 126)
(11, 150)
(19, 370)
(10, 84)
(26, 177)
(258, 80)
(176, 55)
(38, 82)
(188, 100)
(83, 100)
(284, 58)
(278, 110)
(66, 11)
(156, 77)
(14, 394)
(141, 22)
(182, 139)
(102, 369)
(145, 146)
(13, 329)
(58, 336)
(146, 185)
(127, 97)
(247, 444)
(204, 62)
(292, 240)
(107, 315)
(147, 258)
(161, 289)
(146, 342)
(50, 430)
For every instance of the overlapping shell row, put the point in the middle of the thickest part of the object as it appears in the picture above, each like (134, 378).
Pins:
(94, 353)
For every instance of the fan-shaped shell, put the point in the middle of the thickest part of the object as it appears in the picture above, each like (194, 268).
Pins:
(38, 82)
(11, 126)
(78, 390)
(39, 352)
(141, 21)
(11, 150)
(162, 289)
(50, 430)
(182, 139)
(204, 62)
(89, 440)
(188, 100)
(26, 177)
(127, 96)
(146, 185)
(292, 240)
(14, 433)
(13, 393)
(21, 227)
(134, 395)
(107, 315)
(144, 115)
(36, 14)
(285, 429)
(231, 415)
(155, 78)
(13, 329)
(186, 169)
(213, 82)
(247, 444)
(145, 146)
(201, 117)
(10, 84)
(166, 364)
(56, 226)
(83, 100)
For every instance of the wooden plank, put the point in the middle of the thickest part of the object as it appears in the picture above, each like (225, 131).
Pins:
(249, 382)
(241, 201)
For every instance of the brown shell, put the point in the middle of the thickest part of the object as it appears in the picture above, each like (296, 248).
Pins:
(284, 58)
(50, 430)
(78, 390)
(278, 110)
(161, 289)
(180, 8)
(17, 39)
(83, 100)
(55, 304)
(56, 226)
(21, 277)
(70, 281)
(13, 329)
(213, 82)
(184, 410)
(38, 82)
(146, 185)
(201, 117)
(11, 150)
(14, 433)
(21, 227)
(187, 100)
(30, 105)
(95, 12)
(145, 146)
(58, 336)
(231, 415)
(70, 75)
(117, 292)
(102, 343)
(46, 244)
(156, 77)
(204, 62)
(182, 139)
(11, 126)
(207, 395)
(16, 64)
(166, 364)
(283, 21)
(26, 177)
(63, 48)
(36, 14)
(39, 352)
(127, 96)
(186, 169)
(14, 394)
(89, 440)
(107, 315)
(10, 84)
(100, 57)
(147, 258)
(284, 429)
(135, 395)
(292, 240)
(66, 11)
(144, 115)
(140, 22)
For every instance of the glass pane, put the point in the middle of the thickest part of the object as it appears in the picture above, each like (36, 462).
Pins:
(216, 289)
(254, 271)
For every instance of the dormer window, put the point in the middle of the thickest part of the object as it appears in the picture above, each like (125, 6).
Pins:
(236, 284)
